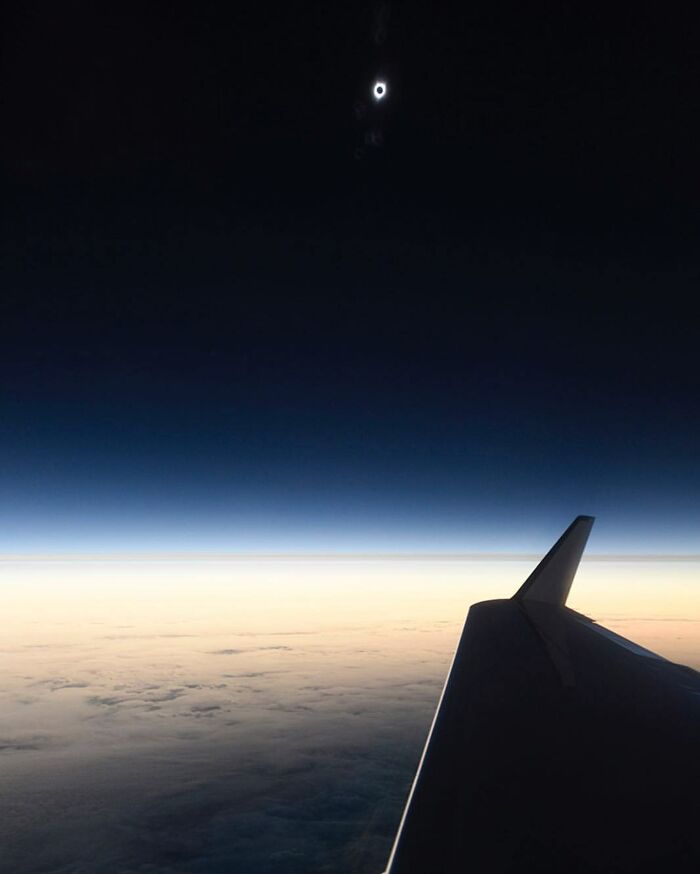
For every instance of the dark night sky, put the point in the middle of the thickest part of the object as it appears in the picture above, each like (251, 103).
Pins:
(220, 329)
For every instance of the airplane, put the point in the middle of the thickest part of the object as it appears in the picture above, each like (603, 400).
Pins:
(557, 745)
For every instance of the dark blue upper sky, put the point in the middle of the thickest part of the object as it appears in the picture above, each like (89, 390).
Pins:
(221, 330)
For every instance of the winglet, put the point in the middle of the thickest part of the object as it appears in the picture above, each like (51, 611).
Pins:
(551, 579)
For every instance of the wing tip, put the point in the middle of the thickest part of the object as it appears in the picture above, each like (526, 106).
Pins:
(551, 580)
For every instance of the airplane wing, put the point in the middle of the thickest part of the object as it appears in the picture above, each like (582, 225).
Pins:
(557, 746)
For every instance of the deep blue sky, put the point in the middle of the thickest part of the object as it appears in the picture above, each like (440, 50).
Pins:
(221, 330)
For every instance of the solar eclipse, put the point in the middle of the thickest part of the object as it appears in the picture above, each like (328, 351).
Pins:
(379, 90)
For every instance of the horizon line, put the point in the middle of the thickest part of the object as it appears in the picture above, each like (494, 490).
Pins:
(336, 556)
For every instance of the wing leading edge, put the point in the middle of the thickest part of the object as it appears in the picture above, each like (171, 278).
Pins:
(556, 746)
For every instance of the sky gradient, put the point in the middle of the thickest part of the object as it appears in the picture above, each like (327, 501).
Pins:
(222, 331)
(290, 378)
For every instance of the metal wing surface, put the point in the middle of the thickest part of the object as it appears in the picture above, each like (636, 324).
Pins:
(557, 745)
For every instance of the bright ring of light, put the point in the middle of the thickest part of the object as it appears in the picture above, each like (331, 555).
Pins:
(379, 90)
